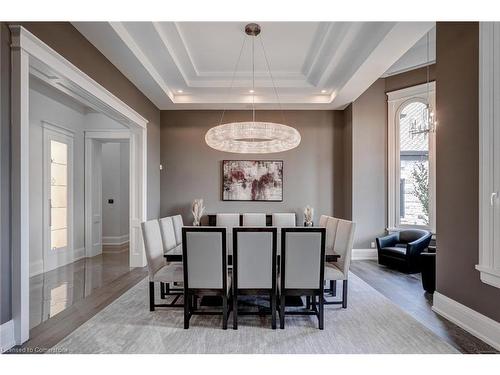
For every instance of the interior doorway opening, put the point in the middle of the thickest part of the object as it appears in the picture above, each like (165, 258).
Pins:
(65, 265)
(31, 58)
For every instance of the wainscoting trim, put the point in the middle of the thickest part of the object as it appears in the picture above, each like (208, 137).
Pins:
(7, 340)
(364, 254)
(475, 323)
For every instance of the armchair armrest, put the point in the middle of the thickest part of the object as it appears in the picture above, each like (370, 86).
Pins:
(417, 246)
(387, 241)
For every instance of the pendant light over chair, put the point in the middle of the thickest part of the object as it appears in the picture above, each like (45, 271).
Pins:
(253, 137)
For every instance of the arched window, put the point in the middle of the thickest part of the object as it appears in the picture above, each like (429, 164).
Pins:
(411, 158)
(413, 165)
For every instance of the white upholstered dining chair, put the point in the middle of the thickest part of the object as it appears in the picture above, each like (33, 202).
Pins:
(159, 270)
(302, 268)
(178, 224)
(254, 220)
(342, 245)
(170, 244)
(322, 221)
(280, 220)
(205, 269)
(254, 266)
(228, 221)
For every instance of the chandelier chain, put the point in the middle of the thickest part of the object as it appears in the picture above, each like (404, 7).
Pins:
(253, 78)
(272, 79)
(233, 77)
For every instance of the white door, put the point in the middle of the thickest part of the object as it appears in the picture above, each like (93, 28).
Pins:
(93, 197)
(58, 198)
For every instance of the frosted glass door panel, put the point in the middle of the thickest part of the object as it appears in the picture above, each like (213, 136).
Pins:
(58, 195)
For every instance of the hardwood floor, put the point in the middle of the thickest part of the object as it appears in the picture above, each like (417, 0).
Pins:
(54, 291)
(406, 292)
(91, 285)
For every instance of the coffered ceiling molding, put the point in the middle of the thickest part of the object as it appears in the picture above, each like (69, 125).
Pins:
(315, 65)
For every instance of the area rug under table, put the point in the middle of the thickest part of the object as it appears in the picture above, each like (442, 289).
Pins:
(370, 324)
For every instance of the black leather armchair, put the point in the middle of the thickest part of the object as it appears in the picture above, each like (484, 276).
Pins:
(402, 250)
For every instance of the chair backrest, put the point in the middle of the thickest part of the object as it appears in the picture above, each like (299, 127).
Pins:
(204, 257)
(254, 220)
(410, 235)
(331, 233)
(153, 246)
(168, 233)
(284, 220)
(343, 244)
(302, 258)
(228, 221)
(178, 224)
(254, 258)
(322, 221)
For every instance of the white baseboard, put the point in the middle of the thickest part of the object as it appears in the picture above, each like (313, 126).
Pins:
(7, 340)
(477, 324)
(115, 240)
(364, 254)
(78, 254)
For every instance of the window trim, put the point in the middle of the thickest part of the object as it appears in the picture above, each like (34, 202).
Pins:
(396, 101)
(489, 140)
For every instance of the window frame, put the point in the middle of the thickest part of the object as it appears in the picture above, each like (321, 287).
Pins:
(396, 101)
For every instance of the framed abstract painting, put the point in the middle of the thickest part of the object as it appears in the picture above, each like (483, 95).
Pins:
(252, 180)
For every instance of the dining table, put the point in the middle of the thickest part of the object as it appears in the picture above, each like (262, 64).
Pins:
(291, 301)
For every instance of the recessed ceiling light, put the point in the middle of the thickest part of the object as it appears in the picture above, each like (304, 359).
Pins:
(180, 91)
(251, 91)
(323, 91)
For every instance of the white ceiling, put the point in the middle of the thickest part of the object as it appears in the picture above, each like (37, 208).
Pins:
(315, 65)
(416, 56)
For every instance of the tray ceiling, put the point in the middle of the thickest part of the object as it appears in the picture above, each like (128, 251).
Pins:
(315, 65)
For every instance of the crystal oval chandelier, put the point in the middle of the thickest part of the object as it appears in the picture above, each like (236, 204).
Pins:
(253, 137)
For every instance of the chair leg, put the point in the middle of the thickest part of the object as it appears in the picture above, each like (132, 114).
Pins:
(186, 310)
(333, 287)
(224, 312)
(235, 311)
(282, 311)
(321, 315)
(151, 296)
(344, 294)
(273, 310)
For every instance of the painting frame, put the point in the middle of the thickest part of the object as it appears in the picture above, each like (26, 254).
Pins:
(223, 173)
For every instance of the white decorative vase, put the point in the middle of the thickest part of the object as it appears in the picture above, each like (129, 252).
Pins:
(308, 216)
(197, 209)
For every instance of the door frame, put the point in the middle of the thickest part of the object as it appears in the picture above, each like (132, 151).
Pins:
(92, 136)
(29, 55)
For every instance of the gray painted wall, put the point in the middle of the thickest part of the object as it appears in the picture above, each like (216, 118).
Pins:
(193, 170)
(5, 254)
(457, 169)
(369, 166)
(342, 190)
